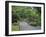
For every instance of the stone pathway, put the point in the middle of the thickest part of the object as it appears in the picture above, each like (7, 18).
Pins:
(26, 26)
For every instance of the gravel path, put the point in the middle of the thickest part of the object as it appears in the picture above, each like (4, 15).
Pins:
(26, 26)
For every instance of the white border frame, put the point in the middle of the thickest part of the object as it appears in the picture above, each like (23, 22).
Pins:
(31, 31)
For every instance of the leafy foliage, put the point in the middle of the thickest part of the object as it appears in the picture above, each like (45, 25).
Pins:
(29, 14)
